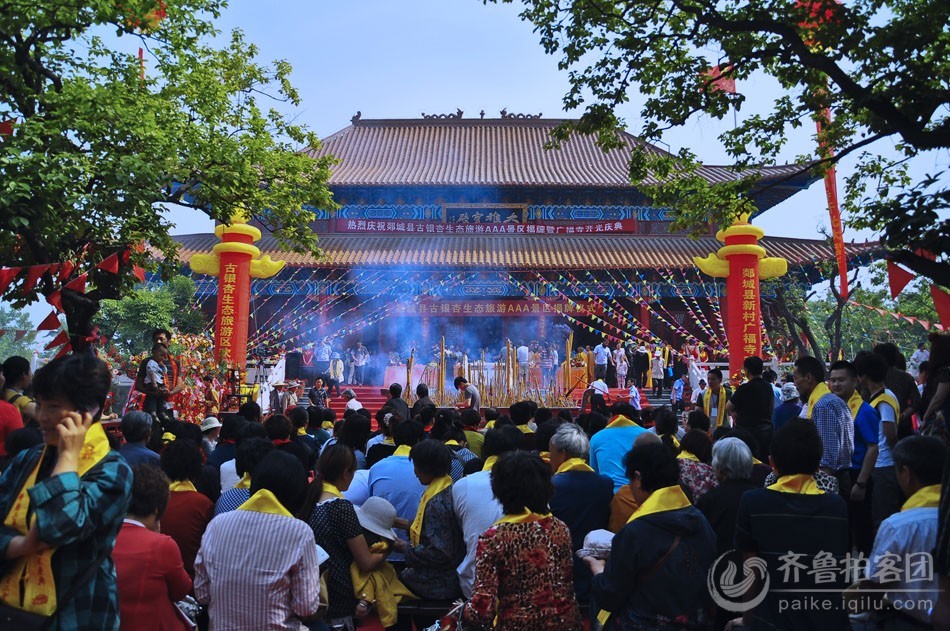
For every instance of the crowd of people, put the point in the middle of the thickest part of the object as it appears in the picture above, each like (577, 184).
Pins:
(528, 518)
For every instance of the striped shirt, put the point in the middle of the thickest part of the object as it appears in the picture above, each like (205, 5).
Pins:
(257, 571)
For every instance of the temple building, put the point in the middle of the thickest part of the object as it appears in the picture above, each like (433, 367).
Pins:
(471, 229)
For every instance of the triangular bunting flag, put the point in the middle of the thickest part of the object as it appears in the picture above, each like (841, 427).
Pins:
(110, 264)
(32, 275)
(19, 335)
(51, 323)
(897, 278)
(942, 303)
(67, 347)
(924, 323)
(7, 274)
(61, 338)
(65, 269)
(78, 284)
(139, 273)
(55, 300)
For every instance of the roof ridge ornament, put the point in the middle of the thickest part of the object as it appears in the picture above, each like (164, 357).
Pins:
(356, 118)
(505, 114)
(456, 116)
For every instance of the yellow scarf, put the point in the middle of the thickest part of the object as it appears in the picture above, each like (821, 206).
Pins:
(301, 431)
(884, 397)
(854, 403)
(168, 437)
(720, 410)
(452, 443)
(244, 482)
(489, 424)
(545, 456)
(525, 429)
(661, 500)
(820, 390)
(756, 461)
(402, 450)
(35, 572)
(676, 442)
(327, 425)
(265, 502)
(573, 464)
(489, 463)
(522, 518)
(331, 489)
(685, 455)
(184, 485)
(621, 421)
(927, 497)
(437, 486)
(800, 483)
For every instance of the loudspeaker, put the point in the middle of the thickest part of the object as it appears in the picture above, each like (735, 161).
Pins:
(292, 365)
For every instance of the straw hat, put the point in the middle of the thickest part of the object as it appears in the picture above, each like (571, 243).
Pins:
(377, 516)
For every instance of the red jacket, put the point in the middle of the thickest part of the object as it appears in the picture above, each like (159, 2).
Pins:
(10, 420)
(150, 577)
(185, 520)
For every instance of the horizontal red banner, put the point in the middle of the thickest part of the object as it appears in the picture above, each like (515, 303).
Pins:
(431, 227)
(500, 307)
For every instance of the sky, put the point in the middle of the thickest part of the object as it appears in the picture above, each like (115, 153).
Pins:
(399, 59)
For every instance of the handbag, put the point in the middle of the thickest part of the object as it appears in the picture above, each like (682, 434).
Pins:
(15, 618)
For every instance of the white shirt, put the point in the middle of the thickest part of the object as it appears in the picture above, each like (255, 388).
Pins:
(600, 386)
(888, 415)
(353, 404)
(358, 491)
(522, 354)
(635, 398)
(601, 355)
(477, 510)
(910, 535)
(229, 476)
(697, 395)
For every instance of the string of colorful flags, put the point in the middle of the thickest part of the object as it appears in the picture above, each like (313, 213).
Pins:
(699, 319)
(926, 324)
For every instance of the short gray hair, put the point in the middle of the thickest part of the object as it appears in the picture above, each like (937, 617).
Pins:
(136, 426)
(572, 440)
(732, 458)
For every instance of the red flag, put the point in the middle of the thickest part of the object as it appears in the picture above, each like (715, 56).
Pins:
(78, 284)
(65, 269)
(110, 264)
(55, 300)
(32, 275)
(720, 81)
(19, 335)
(3, 332)
(61, 338)
(942, 303)
(6, 127)
(834, 213)
(64, 350)
(139, 273)
(7, 274)
(51, 323)
(897, 278)
(925, 324)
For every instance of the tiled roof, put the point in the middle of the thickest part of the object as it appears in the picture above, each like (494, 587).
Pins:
(514, 252)
(488, 152)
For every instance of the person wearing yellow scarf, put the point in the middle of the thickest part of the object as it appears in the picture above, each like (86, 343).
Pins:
(436, 546)
(64, 501)
(715, 399)
(647, 570)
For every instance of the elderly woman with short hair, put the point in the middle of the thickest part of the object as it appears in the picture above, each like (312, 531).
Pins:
(581, 496)
(732, 461)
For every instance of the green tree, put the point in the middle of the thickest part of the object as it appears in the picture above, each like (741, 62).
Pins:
(11, 321)
(102, 145)
(880, 66)
(129, 321)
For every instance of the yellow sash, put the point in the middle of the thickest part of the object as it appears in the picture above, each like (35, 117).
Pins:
(573, 464)
(525, 429)
(720, 410)
(327, 425)
(437, 486)
(168, 437)
(621, 421)
(183, 485)
(927, 497)
(801, 483)
(490, 425)
(244, 482)
(331, 489)
(820, 390)
(884, 397)
(452, 443)
(854, 403)
(489, 463)
(685, 455)
(522, 518)
(402, 450)
(756, 460)
(661, 500)
(36, 570)
(676, 442)
(301, 431)
(265, 502)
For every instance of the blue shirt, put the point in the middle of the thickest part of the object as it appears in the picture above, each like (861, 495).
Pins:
(784, 413)
(394, 480)
(230, 500)
(137, 453)
(832, 418)
(600, 355)
(865, 433)
(607, 450)
(677, 393)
